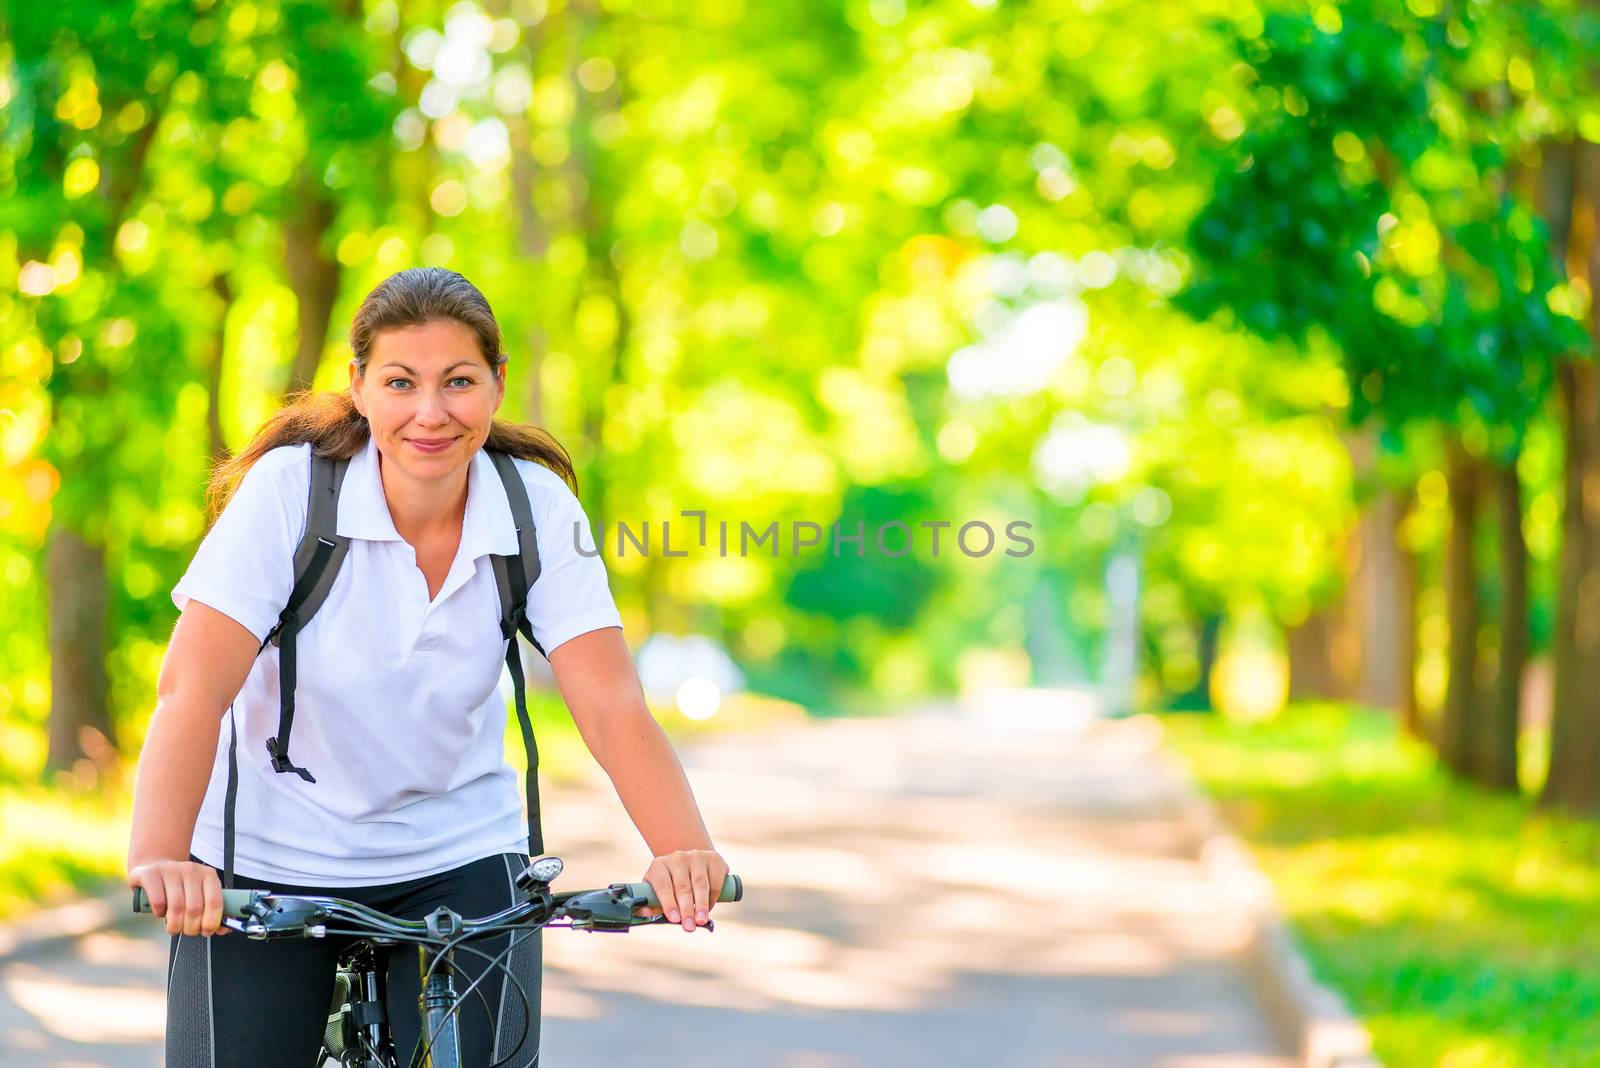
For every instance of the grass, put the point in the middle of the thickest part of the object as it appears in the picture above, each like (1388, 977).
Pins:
(1462, 926)
(59, 842)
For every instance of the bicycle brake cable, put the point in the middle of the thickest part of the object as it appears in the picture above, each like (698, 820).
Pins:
(482, 998)
(503, 962)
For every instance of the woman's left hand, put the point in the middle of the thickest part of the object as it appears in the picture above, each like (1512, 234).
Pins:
(684, 882)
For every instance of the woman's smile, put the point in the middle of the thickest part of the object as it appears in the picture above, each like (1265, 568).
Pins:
(431, 444)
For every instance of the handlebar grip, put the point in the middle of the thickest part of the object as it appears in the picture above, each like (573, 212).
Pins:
(234, 902)
(732, 890)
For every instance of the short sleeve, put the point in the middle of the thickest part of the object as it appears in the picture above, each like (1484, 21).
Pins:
(572, 594)
(244, 567)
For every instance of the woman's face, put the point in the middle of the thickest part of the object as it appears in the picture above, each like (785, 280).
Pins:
(429, 396)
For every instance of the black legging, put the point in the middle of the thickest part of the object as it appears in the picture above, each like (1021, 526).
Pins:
(233, 1002)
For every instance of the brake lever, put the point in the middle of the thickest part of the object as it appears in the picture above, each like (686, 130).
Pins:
(278, 922)
(661, 917)
(708, 926)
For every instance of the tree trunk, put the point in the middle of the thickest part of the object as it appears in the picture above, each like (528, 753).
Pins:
(314, 276)
(1496, 755)
(1210, 647)
(1461, 720)
(1198, 699)
(1383, 675)
(1311, 672)
(593, 207)
(1574, 636)
(1574, 779)
(80, 719)
(1369, 657)
(216, 446)
(533, 242)
(533, 232)
(1410, 585)
(80, 725)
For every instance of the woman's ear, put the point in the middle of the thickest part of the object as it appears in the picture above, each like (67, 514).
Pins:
(355, 388)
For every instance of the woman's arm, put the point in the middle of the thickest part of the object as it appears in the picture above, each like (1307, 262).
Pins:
(601, 687)
(205, 665)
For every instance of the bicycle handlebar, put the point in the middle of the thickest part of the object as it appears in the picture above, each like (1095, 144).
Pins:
(238, 903)
(264, 914)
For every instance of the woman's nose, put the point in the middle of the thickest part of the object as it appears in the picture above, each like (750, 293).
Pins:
(430, 409)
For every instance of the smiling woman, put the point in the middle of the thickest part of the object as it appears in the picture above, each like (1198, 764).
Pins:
(412, 804)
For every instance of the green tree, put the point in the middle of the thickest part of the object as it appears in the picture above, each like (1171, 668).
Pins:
(1364, 195)
(96, 88)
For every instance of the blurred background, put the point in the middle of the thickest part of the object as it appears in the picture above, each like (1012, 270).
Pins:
(1272, 321)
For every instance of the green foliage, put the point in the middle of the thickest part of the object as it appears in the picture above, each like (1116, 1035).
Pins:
(735, 253)
(1455, 922)
(780, 262)
(139, 143)
(888, 575)
(1368, 193)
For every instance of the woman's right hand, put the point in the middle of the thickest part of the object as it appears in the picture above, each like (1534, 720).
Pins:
(189, 895)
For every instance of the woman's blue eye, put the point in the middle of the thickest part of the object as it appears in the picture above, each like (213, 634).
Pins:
(407, 382)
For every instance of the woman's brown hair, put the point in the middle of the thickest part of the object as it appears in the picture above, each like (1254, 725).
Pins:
(330, 421)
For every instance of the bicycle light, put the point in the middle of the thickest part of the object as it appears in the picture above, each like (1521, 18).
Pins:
(543, 870)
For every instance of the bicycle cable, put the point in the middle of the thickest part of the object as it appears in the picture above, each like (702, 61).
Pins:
(503, 962)
(482, 998)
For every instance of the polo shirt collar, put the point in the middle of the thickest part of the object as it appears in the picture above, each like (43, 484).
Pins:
(363, 510)
(486, 528)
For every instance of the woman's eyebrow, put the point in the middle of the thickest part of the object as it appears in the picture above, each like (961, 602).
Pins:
(447, 370)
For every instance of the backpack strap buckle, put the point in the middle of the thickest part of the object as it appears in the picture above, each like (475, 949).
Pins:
(281, 762)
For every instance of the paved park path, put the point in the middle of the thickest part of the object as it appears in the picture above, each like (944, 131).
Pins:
(1004, 885)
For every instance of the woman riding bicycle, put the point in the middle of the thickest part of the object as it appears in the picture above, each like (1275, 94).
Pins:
(402, 798)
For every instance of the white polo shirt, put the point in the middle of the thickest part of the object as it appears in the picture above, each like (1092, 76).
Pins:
(397, 710)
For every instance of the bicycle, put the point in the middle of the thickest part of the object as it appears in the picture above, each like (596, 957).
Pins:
(357, 1033)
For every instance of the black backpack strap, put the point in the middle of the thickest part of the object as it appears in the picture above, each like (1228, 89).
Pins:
(231, 796)
(514, 575)
(316, 564)
(313, 580)
(514, 596)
